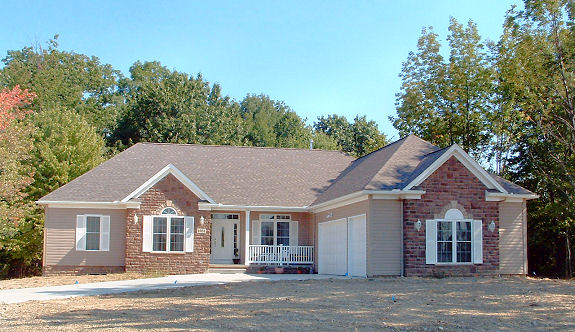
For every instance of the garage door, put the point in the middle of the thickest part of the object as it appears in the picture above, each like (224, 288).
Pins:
(332, 247)
(356, 247)
(342, 247)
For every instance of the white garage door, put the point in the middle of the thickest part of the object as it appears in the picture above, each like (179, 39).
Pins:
(342, 247)
(332, 247)
(356, 265)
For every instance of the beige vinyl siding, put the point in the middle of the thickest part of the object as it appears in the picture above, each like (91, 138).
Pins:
(60, 238)
(512, 246)
(384, 237)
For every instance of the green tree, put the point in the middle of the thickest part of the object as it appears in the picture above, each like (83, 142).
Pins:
(358, 138)
(66, 79)
(169, 106)
(15, 175)
(449, 102)
(537, 68)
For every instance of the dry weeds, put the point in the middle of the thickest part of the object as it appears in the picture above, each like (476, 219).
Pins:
(486, 304)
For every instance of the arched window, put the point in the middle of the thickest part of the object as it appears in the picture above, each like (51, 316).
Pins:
(170, 211)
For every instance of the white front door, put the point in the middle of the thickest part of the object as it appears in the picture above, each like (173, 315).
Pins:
(222, 241)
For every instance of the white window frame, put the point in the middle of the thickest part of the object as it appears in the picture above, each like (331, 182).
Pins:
(274, 219)
(103, 232)
(454, 242)
(169, 233)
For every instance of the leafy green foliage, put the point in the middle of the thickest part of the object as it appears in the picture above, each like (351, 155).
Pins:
(358, 138)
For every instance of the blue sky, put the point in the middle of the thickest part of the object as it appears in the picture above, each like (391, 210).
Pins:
(320, 57)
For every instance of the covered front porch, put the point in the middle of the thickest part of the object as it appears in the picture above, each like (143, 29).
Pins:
(262, 238)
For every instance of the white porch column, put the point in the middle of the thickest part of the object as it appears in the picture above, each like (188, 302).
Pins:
(247, 239)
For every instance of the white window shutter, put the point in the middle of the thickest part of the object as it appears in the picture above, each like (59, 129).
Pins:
(80, 232)
(430, 242)
(293, 233)
(189, 242)
(147, 234)
(105, 233)
(477, 242)
(256, 231)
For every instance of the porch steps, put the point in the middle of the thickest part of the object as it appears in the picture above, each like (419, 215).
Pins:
(227, 268)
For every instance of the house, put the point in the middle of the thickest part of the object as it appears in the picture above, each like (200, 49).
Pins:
(409, 208)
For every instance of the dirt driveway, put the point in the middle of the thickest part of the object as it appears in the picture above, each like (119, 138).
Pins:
(485, 304)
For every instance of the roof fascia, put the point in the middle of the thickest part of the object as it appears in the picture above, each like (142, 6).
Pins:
(472, 165)
(89, 205)
(510, 198)
(224, 207)
(169, 169)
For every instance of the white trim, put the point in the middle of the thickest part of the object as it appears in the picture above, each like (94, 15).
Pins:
(89, 205)
(466, 160)
(82, 231)
(362, 195)
(513, 198)
(169, 169)
(222, 207)
(169, 250)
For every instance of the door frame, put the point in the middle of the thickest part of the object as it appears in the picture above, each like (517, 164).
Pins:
(235, 238)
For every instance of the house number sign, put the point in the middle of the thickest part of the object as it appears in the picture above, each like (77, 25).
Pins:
(202, 230)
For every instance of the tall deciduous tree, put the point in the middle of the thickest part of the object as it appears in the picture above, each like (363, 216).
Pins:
(537, 66)
(169, 106)
(358, 138)
(15, 175)
(66, 79)
(448, 102)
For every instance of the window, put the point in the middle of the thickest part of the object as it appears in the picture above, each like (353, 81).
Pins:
(169, 226)
(225, 216)
(453, 237)
(275, 229)
(92, 232)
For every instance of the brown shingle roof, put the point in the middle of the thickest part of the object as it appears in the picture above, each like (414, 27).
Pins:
(260, 176)
(228, 174)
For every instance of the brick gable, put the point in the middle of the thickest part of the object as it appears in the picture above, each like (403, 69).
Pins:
(451, 185)
(167, 192)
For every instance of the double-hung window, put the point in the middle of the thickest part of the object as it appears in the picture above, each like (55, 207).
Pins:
(275, 229)
(168, 232)
(92, 232)
(454, 240)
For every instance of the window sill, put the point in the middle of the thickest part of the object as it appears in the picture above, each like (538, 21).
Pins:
(454, 264)
(168, 252)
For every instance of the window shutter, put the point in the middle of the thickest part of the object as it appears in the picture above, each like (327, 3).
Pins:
(189, 242)
(293, 233)
(147, 234)
(477, 242)
(105, 233)
(256, 231)
(80, 232)
(430, 242)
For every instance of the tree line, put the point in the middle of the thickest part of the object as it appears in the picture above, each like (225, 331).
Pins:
(63, 113)
(511, 104)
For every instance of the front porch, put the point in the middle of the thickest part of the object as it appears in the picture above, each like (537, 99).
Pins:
(262, 238)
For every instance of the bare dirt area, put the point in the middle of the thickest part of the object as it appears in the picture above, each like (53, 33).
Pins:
(31, 282)
(483, 304)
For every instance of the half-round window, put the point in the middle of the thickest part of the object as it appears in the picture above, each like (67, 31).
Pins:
(169, 210)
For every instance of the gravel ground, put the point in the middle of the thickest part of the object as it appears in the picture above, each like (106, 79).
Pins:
(482, 304)
(31, 282)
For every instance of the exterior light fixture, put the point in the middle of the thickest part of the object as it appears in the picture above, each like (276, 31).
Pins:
(135, 219)
(417, 225)
(202, 220)
(329, 215)
(491, 226)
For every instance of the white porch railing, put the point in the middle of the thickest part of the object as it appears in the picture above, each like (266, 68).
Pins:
(265, 254)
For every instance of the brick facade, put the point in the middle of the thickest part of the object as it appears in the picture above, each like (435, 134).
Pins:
(167, 192)
(451, 185)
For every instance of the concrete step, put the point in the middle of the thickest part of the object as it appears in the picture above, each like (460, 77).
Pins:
(226, 268)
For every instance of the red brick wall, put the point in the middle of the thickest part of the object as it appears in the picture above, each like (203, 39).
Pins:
(167, 192)
(452, 185)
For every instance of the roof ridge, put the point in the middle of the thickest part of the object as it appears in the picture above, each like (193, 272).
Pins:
(240, 146)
